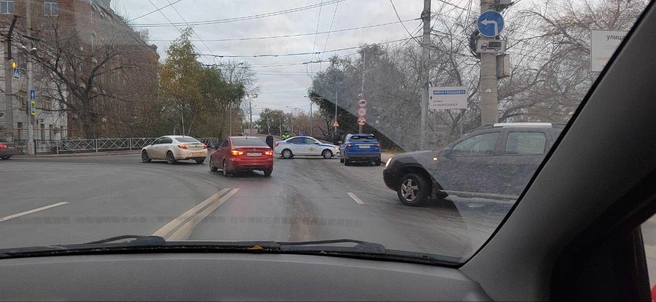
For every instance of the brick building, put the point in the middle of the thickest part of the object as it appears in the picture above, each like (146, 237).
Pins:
(90, 68)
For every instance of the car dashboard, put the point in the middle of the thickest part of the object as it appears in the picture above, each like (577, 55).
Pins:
(229, 277)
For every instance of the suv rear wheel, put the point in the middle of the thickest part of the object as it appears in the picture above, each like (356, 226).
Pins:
(414, 190)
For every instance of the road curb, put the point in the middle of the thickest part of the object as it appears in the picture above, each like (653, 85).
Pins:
(90, 154)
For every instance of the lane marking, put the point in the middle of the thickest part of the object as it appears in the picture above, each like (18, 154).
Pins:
(185, 231)
(32, 211)
(169, 227)
(355, 198)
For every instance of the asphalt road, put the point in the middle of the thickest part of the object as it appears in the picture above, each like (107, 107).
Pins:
(57, 200)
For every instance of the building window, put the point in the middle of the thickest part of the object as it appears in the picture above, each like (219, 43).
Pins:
(43, 132)
(51, 7)
(93, 42)
(51, 133)
(7, 7)
(93, 14)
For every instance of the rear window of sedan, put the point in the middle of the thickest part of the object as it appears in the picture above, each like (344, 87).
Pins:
(248, 142)
(365, 139)
(187, 140)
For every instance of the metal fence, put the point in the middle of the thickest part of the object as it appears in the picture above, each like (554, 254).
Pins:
(94, 145)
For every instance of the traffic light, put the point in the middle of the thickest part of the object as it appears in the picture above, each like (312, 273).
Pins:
(33, 107)
(14, 65)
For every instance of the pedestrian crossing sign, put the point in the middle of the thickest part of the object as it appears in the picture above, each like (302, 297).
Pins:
(16, 73)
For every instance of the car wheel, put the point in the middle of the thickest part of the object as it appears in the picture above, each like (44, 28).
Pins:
(377, 162)
(287, 154)
(212, 167)
(341, 160)
(268, 172)
(170, 158)
(327, 154)
(144, 157)
(413, 190)
(347, 162)
(6, 157)
(200, 161)
(225, 169)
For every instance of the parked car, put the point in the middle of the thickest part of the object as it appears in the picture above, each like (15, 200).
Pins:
(7, 149)
(360, 148)
(495, 161)
(173, 148)
(242, 153)
(305, 146)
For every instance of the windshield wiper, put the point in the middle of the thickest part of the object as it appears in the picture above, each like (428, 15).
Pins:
(320, 246)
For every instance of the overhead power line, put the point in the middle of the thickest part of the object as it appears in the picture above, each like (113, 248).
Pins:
(300, 53)
(317, 30)
(192, 29)
(167, 18)
(331, 27)
(244, 18)
(148, 13)
(295, 35)
(399, 17)
(453, 5)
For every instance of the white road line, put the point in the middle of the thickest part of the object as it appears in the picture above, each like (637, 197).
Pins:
(355, 198)
(32, 211)
(169, 227)
(185, 231)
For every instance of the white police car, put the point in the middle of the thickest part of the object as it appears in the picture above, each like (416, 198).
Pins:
(305, 146)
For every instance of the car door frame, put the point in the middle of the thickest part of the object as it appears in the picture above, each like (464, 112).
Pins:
(154, 148)
(164, 147)
(314, 142)
(222, 151)
(515, 170)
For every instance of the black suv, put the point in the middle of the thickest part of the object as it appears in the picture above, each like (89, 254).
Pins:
(495, 161)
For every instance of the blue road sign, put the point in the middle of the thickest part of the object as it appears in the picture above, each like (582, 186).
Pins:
(16, 73)
(32, 94)
(490, 23)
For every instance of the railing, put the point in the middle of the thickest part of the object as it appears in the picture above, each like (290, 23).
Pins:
(94, 145)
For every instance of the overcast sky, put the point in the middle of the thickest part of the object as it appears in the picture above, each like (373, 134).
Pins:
(285, 85)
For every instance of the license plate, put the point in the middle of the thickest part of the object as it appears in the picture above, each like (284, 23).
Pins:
(199, 154)
(253, 154)
(364, 146)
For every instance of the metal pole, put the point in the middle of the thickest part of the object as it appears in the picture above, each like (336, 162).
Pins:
(230, 118)
(425, 54)
(364, 61)
(311, 134)
(335, 127)
(30, 131)
(9, 97)
(291, 120)
(488, 90)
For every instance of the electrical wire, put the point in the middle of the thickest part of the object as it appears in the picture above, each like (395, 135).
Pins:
(295, 35)
(192, 29)
(167, 18)
(399, 17)
(317, 30)
(331, 27)
(146, 14)
(244, 18)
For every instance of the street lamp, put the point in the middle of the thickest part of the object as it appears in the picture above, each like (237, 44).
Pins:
(291, 118)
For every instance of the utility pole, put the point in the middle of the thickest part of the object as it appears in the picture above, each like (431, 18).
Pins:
(364, 62)
(425, 54)
(230, 118)
(311, 118)
(30, 128)
(488, 85)
(250, 112)
(9, 96)
(335, 127)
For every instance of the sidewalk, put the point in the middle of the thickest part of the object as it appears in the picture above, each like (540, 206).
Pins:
(84, 154)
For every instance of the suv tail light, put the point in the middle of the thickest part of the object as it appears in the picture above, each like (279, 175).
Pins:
(350, 145)
(377, 145)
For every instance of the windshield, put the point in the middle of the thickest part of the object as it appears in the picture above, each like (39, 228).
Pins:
(463, 101)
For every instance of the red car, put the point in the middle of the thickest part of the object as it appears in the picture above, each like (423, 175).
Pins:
(242, 153)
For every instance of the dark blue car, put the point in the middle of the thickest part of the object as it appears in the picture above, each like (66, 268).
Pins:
(360, 148)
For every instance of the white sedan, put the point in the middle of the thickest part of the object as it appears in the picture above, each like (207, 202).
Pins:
(173, 148)
(305, 146)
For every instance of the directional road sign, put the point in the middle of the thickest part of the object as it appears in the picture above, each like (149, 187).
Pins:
(490, 23)
(362, 103)
(362, 112)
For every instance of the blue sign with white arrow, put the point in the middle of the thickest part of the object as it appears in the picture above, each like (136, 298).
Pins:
(16, 73)
(490, 23)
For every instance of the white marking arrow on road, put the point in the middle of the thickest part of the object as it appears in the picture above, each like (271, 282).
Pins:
(487, 22)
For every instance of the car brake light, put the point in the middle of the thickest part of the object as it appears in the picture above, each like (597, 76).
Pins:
(350, 145)
(268, 152)
(182, 146)
(236, 152)
(3, 146)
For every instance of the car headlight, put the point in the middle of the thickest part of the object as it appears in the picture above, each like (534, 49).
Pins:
(388, 162)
